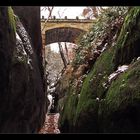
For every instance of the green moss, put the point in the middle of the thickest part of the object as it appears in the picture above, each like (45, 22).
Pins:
(99, 73)
(69, 110)
(124, 89)
(129, 23)
(11, 19)
(86, 121)
(127, 42)
(123, 93)
(93, 86)
(122, 98)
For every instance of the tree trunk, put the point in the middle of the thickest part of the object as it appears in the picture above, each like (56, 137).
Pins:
(67, 53)
(62, 54)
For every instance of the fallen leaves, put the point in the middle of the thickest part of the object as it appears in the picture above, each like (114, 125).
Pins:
(51, 124)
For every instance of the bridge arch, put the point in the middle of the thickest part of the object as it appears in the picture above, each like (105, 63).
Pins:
(62, 34)
(54, 24)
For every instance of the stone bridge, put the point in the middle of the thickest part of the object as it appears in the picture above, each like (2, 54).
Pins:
(63, 30)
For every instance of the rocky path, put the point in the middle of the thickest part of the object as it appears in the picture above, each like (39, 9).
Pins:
(51, 124)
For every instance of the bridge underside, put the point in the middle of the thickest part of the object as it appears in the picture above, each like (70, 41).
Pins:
(63, 34)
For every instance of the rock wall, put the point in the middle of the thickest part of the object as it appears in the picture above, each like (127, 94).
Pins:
(97, 108)
(30, 17)
(7, 45)
(23, 104)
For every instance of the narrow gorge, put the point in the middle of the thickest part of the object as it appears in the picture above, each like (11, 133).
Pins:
(89, 85)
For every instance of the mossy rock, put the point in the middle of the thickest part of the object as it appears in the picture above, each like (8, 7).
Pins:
(93, 88)
(120, 111)
(102, 68)
(68, 112)
(12, 21)
(127, 46)
(114, 113)
(74, 117)
(87, 120)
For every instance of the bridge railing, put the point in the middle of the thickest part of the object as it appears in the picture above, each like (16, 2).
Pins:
(65, 18)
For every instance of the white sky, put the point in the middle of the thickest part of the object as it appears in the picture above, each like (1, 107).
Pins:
(70, 11)
(55, 48)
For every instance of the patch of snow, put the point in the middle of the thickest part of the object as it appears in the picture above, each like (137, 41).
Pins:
(122, 68)
(17, 36)
(52, 85)
(115, 74)
(51, 90)
(112, 76)
(138, 58)
(78, 95)
(50, 98)
(103, 49)
(97, 99)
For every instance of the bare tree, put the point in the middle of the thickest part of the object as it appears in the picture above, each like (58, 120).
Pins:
(50, 10)
(92, 11)
(60, 14)
(66, 49)
(62, 54)
(60, 45)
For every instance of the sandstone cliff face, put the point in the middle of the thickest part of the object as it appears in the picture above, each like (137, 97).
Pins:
(22, 105)
(97, 108)
(7, 44)
(30, 18)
